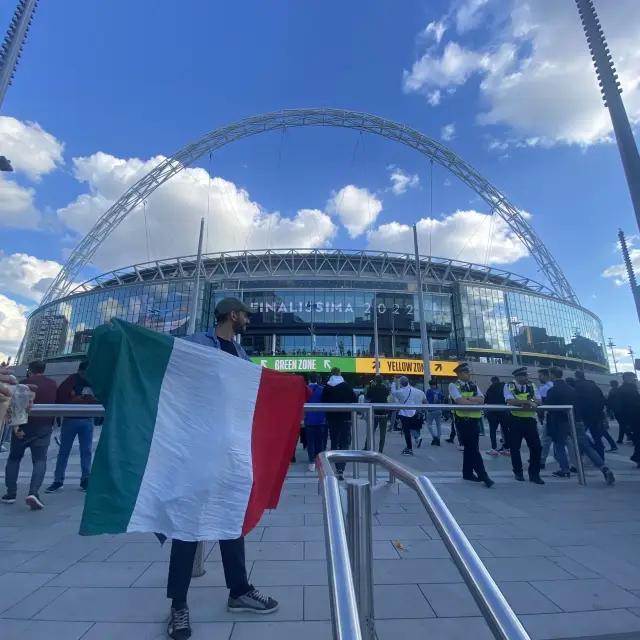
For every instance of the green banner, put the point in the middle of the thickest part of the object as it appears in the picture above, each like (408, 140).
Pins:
(306, 364)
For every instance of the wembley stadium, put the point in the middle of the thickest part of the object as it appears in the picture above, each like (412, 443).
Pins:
(314, 309)
(319, 308)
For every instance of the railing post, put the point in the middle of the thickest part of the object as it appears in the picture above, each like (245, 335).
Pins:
(360, 542)
(354, 441)
(198, 562)
(371, 471)
(582, 479)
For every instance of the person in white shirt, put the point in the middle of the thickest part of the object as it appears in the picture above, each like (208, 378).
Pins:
(466, 392)
(545, 385)
(410, 418)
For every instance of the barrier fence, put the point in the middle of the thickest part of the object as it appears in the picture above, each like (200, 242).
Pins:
(349, 544)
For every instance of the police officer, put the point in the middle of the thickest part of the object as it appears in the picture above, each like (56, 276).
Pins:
(522, 393)
(465, 392)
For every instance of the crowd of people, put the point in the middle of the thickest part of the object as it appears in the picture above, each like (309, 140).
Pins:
(531, 419)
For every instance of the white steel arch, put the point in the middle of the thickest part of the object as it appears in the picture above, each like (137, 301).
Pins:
(308, 118)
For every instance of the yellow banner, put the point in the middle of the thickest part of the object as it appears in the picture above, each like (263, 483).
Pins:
(405, 367)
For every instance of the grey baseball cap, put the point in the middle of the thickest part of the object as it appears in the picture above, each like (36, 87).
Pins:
(227, 305)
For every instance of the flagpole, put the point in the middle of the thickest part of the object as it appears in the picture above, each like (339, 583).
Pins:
(376, 346)
(196, 287)
(423, 320)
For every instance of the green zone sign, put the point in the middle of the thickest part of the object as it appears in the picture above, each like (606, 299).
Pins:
(306, 364)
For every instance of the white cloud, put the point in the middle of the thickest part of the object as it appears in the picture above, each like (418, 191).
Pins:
(463, 235)
(623, 360)
(17, 208)
(173, 215)
(12, 326)
(25, 275)
(402, 180)
(357, 208)
(542, 93)
(619, 271)
(434, 97)
(448, 132)
(29, 147)
(435, 30)
(453, 68)
(469, 15)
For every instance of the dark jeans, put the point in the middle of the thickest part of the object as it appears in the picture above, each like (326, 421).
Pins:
(409, 423)
(594, 425)
(37, 439)
(181, 566)
(316, 439)
(621, 428)
(606, 435)
(72, 427)
(469, 438)
(525, 429)
(497, 419)
(379, 422)
(340, 434)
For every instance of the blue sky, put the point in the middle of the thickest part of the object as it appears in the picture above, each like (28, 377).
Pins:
(507, 85)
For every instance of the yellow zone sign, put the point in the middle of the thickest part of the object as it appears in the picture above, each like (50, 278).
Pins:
(405, 367)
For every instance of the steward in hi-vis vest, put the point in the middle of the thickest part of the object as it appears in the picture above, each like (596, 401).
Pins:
(465, 392)
(521, 393)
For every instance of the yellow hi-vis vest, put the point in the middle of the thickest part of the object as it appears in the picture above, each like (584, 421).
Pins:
(528, 394)
(467, 394)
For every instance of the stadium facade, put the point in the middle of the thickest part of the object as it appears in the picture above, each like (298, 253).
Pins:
(315, 310)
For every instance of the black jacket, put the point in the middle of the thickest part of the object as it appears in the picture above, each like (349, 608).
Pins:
(629, 403)
(613, 400)
(337, 394)
(589, 401)
(561, 393)
(495, 394)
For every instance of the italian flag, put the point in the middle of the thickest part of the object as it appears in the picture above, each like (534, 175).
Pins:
(195, 443)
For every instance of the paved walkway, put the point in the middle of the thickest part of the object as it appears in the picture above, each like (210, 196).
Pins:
(566, 557)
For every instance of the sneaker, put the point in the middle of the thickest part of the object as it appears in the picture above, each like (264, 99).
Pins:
(612, 450)
(460, 447)
(519, 477)
(33, 501)
(536, 480)
(472, 478)
(3, 449)
(84, 483)
(436, 442)
(506, 452)
(179, 627)
(492, 452)
(312, 467)
(561, 474)
(419, 443)
(8, 498)
(608, 475)
(449, 440)
(253, 602)
(56, 486)
(405, 452)
(573, 469)
(543, 465)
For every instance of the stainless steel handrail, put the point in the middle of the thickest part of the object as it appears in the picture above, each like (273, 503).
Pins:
(501, 619)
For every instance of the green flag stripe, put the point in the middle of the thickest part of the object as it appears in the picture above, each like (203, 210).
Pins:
(116, 357)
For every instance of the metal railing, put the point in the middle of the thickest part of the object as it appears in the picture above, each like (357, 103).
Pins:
(356, 556)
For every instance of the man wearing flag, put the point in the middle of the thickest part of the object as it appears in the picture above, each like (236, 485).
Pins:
(195, 447)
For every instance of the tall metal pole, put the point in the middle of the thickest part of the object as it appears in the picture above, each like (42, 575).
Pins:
(632, 355)
(196, 286)
(423, 320)
(633, 283)
(613, 355)
(512, 339)
(611, 94)
(376, 345)
(14, 43)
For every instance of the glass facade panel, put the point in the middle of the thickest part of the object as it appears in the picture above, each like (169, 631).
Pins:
(489, 319)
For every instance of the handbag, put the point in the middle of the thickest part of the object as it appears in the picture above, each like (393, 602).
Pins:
(418, 416)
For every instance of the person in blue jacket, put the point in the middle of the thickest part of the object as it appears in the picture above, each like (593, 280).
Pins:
(315, 423)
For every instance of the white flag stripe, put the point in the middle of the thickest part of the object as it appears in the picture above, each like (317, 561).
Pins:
(212, 498)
